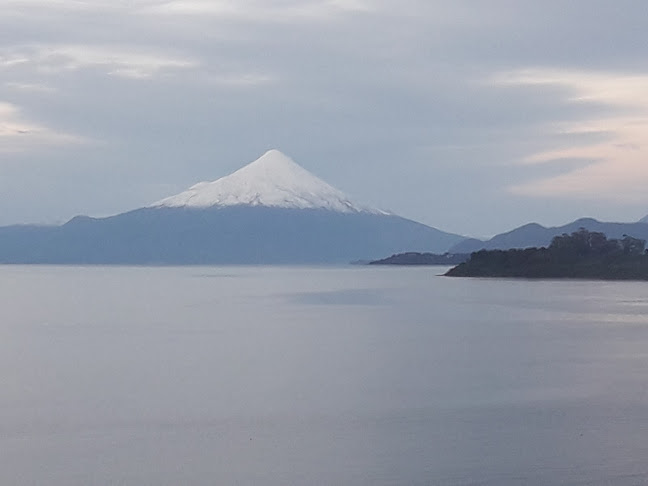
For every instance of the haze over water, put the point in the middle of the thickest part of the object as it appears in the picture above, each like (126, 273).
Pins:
(298, 375)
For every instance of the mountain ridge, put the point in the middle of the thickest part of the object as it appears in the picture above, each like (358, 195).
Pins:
(230, 235)
(535, 235)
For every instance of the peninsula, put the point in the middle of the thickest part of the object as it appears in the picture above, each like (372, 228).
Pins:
(416, 258)
(580, 255)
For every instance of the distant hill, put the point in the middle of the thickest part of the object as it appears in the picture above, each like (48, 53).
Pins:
(270, 211)
(414, 258)
(583, 254)
(535, 235)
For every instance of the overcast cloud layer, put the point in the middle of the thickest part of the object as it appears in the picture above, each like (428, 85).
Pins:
(473, 117)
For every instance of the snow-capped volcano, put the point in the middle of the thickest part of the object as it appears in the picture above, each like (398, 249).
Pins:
(273, 180)
(270, 211)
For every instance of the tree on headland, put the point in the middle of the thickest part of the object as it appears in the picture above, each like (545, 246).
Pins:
(633, 246)
(582, 243)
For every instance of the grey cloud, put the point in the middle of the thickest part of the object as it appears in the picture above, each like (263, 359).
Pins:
(396, 106)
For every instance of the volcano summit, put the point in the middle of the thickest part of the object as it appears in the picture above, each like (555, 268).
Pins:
(273, 180)
(270, 211)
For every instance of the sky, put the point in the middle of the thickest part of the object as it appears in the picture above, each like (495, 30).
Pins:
(471, 116)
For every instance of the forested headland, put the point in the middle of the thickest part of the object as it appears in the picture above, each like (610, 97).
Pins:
(582, 254)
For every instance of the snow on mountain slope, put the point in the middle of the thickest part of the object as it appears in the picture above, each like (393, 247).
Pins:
(273, 180)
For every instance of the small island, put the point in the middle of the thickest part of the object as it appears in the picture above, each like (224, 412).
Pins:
(415, 258)
(581, 255)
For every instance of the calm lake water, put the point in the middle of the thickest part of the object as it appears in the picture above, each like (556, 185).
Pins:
(319, 376)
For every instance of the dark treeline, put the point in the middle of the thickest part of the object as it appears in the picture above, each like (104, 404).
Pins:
(415, 258)
(582, 254)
